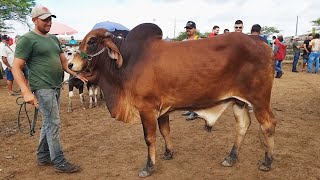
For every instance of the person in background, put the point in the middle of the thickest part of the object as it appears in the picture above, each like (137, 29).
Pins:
(306, 51)
(238, 26)
(46, 61)
(2, 66)
(296, 52)
(7, 56)
(225, 31)
(215, 31)
(72, 41)
(191, 30)
(315, 54)
(280, 54)
(255, 30)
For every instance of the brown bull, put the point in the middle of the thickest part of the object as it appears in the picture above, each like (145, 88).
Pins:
(145, 76)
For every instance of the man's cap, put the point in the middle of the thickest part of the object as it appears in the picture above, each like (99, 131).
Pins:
(296, 37)
(191, 24)
(5, 37)
(41, 12)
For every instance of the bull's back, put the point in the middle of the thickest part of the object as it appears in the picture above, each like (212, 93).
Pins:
(205, 68)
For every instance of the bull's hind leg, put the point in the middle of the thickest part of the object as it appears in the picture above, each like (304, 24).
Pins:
(243, 121)
(267, 129)
(149, 128)
(163, 122)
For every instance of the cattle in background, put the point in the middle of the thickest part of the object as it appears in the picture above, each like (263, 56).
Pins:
(147, 77)
(94, 92)
(93, 89)
(74, 82)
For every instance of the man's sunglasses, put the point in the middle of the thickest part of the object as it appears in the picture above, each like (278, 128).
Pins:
(238, 27)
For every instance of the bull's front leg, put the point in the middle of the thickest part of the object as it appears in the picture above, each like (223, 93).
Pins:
(149, 129)
(163, 122)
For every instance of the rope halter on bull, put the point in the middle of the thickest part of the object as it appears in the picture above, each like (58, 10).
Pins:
(90, 56)
(106, 47)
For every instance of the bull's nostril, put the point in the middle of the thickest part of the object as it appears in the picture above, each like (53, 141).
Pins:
(69, 53)
(70, 65)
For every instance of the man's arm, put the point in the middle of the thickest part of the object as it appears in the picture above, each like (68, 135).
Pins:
(28, 96)
(5, 61)
(65, 67)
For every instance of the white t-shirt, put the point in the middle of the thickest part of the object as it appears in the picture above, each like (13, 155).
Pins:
(3, 65)
(7, 52)
(315, 45)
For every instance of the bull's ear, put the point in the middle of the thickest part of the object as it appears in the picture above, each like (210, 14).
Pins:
(114, 52)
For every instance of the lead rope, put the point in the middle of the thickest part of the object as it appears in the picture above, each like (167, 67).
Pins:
(23, 107)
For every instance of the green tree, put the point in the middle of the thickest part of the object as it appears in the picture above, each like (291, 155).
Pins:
(16, 10)
(316, 22)
(269, 30)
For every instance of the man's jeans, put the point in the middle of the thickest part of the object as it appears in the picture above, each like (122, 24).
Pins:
(278, 66)
(314, 56)
(49, 144)
(295, 61)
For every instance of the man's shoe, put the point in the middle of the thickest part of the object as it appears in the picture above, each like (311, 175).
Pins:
(280, 74)
(192, 116)
(186, 113)
(295, 71)
(67, 168)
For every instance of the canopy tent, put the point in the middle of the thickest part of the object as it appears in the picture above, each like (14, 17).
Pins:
(61, 29)
(116, 28)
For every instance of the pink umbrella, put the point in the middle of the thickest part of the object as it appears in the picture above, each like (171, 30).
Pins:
(61, 29)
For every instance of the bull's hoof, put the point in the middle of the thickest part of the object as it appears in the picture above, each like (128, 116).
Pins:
(147, 171)
(228, 162)
(90, 106)
(168, 155)
(264, 167)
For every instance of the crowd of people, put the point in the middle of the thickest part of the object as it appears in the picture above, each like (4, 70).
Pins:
(36, 62)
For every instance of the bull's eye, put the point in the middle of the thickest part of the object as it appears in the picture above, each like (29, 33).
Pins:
(92, 41)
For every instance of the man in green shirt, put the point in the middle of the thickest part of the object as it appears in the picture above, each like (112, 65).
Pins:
(46, 61)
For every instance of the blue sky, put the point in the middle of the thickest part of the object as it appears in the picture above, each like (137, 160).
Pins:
(83, 15)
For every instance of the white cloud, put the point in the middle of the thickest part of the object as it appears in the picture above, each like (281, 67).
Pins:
(82, 15)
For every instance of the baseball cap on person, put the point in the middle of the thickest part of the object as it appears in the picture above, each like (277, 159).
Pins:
(190, 24)
(296, 37)
(41, 12)
(5, 37)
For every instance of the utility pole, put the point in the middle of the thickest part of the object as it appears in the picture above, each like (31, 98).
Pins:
(297, 25)
(174, 28)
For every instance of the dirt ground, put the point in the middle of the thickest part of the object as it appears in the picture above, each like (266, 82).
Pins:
(109, 149)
